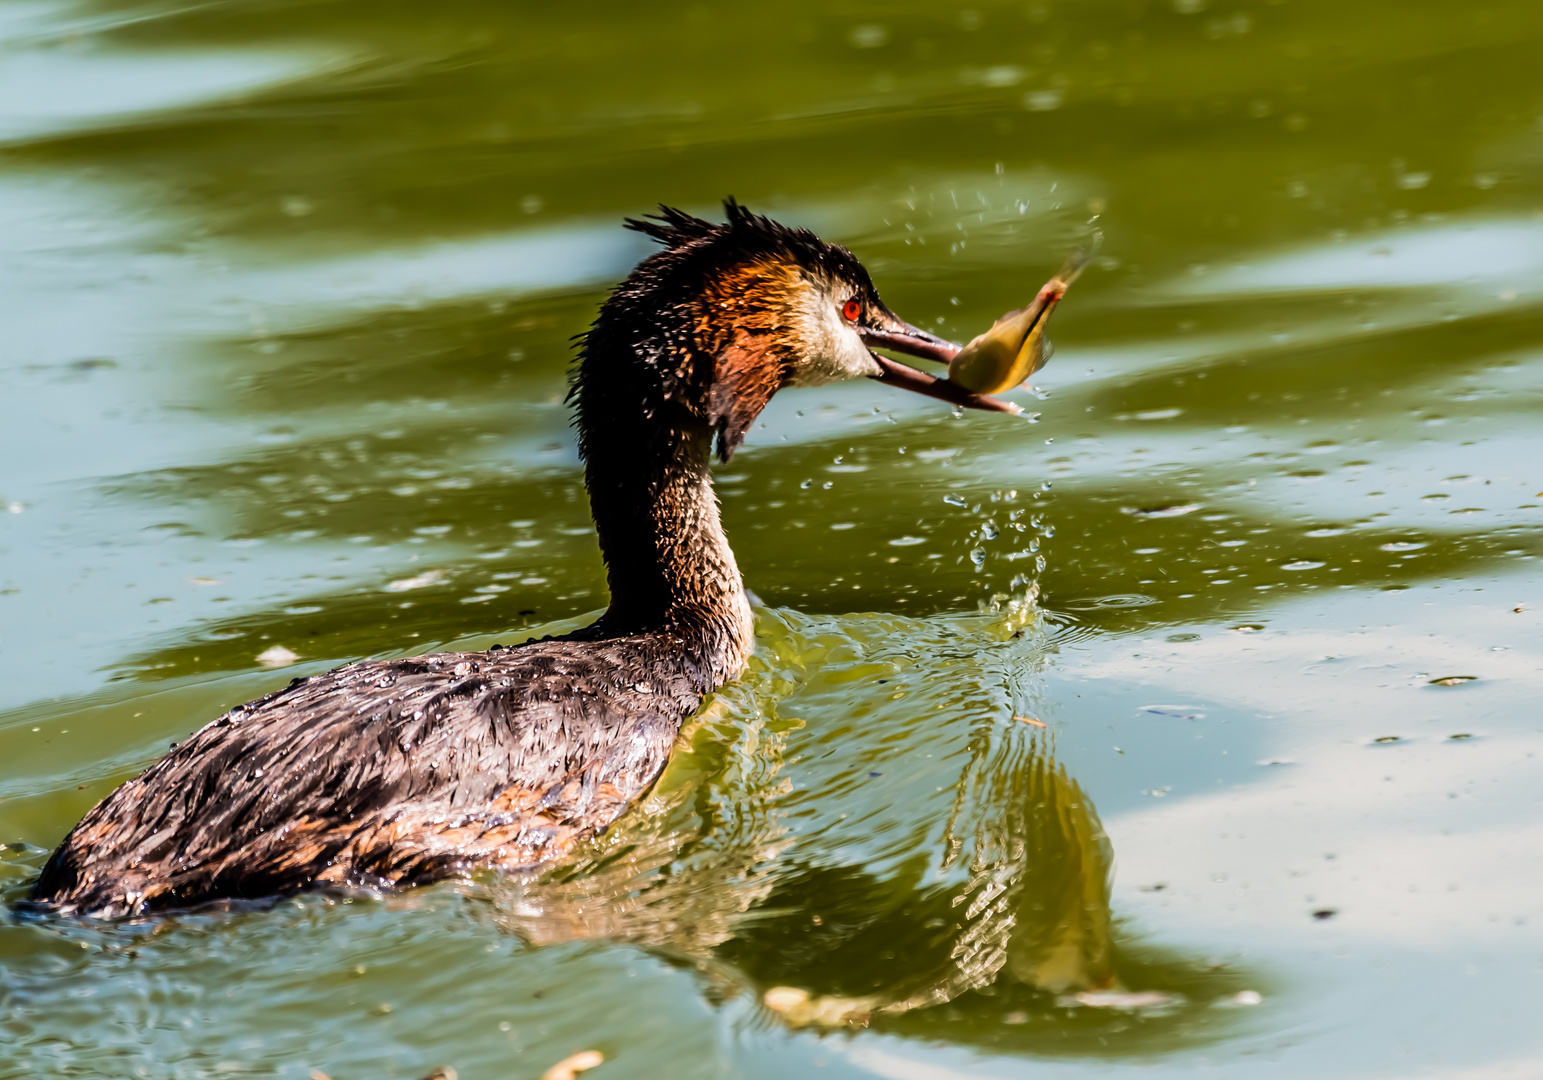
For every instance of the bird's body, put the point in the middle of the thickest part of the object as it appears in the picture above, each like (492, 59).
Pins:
(388, 773)
(400, 772)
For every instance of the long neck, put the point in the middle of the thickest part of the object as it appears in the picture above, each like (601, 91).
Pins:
(669, 564)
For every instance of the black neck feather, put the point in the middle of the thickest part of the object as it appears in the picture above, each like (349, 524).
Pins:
(645, 440)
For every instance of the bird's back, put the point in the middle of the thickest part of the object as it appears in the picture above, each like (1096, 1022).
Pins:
(390, 772)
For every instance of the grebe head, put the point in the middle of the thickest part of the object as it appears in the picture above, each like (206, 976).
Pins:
(762, 306)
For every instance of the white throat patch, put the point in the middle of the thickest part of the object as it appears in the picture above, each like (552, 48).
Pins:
(833, 350)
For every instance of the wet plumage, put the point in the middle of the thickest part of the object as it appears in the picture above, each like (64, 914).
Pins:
(400, 772)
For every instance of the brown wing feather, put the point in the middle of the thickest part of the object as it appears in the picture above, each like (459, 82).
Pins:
(384, 773)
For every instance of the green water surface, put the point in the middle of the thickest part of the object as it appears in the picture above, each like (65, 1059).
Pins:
(287, 293)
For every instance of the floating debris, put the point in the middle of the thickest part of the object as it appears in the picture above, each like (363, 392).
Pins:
(1248, 628)
(785, 998)
(444, 1072)
(277, 656)
(570, 1067)
(1118, 999)
(801, 1009)
(1151, 414)
(1453, 680)
(422, 581)
(1183, 712)
(1325, 913)
(1459, 737)
(1385, 739)
(1030, 720)
(1174, 510)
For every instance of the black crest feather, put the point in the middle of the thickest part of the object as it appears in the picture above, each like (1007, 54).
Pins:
(748, 233)
(639, 359)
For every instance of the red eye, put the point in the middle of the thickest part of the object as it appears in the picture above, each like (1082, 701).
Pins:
(852, 309)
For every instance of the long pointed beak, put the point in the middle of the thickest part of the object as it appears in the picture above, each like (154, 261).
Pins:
(900, 336)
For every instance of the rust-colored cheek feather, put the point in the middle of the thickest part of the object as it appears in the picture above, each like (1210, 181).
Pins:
(741, 324)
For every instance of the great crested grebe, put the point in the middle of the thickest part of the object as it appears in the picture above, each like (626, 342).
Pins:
(400, 772)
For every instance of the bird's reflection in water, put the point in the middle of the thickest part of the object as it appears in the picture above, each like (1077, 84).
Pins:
(992, 926)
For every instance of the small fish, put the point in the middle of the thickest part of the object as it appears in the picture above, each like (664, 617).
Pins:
(1016, 346)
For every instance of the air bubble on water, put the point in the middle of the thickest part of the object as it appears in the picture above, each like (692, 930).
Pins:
(806, 484)
(978, 557)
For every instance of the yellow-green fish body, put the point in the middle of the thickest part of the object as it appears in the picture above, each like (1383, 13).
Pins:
(1016, 345)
